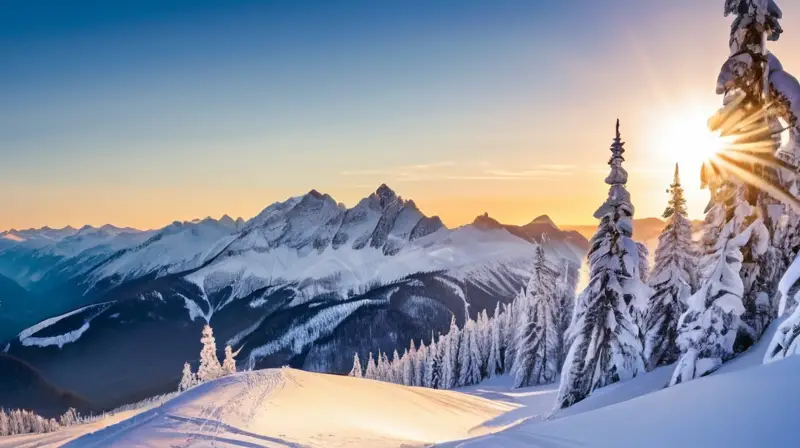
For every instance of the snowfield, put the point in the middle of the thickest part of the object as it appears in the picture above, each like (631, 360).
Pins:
(744, 404)
(293, 408)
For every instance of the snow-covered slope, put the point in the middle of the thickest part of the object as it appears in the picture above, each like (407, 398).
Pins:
(755, 407)
(745, 406)
(286, 408)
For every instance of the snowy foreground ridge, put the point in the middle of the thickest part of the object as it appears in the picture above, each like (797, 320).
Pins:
(744, 404)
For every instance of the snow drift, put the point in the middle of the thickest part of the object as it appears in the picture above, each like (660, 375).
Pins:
(288, 408)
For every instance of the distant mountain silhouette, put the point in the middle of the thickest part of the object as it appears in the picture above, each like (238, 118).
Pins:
(17, 306)
(23, 387)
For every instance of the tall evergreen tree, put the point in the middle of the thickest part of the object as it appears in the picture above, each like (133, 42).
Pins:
(745, 81)
(732, 306)
(210, 368)
(785, 94)
(516, 323)
(188, 378)
(371, 373)
(606, 347)
(566, 295)
(450, 359)
(469, 355)
(707, 331)
(432, 366)
(673, 280)
(420, 360)
(356, 371)
(494, 364)
(538, 347)
(387, 368)
(408, 368)
(484, 340)
(396, 369)
(229, 363)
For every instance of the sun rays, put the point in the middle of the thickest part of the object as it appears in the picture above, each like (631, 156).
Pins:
(749, 138)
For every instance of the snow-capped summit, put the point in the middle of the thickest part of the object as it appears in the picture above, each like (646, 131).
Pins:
(227, 221)
(385, 194)
(543, 221)
(485, 221)
(39, 237)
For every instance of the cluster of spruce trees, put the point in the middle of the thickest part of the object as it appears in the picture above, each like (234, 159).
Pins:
(210, 367)
(523, 338)
(20, 421)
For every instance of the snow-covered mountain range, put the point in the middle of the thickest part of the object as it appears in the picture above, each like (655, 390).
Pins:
(306, 282)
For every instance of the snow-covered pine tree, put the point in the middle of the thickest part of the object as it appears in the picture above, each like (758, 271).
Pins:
(786, 341)
(463, 354)
(229, 363)
(4, 426)
(420, 360)
(432, 366)
(673, 280)
(745, 82)
(210, 368)
(188, 378)
(493, 364)
(567, 285)
(356, 371)
(371, 373)
(408, 368)
(708, 329)
(732, 306)
(605, 337)
(789, 292)
(439, 361)
(469, 355)
(484, 340)
(785, 94)
(450, 357)
(516, 322)
(396, 375)
(382, 372)
(538, 347)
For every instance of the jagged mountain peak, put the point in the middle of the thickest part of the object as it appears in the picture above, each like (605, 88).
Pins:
(486, 222)
(543, 219)
(385, 195)
(314, 194)
(227, 221)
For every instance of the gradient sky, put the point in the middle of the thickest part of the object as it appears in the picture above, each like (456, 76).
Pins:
(143, 112)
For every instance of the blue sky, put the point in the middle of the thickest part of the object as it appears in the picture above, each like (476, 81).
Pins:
(142, 112)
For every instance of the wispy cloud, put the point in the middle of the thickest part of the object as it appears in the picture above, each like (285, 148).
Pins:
(528, 173)
(363, 172)
(400, 170)
(428, 166)
(450, 170)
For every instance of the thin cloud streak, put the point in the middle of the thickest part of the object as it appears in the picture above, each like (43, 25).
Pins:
(437, 172)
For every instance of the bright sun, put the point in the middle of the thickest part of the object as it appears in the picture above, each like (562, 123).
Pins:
(686, 139)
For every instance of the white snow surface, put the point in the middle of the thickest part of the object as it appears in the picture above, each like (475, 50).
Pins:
(28, 332)
(27, 338)
(291, 408)
(743, 404)
(743, 409)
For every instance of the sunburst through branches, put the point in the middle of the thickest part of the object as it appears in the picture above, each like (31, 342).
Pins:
(749, 139)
